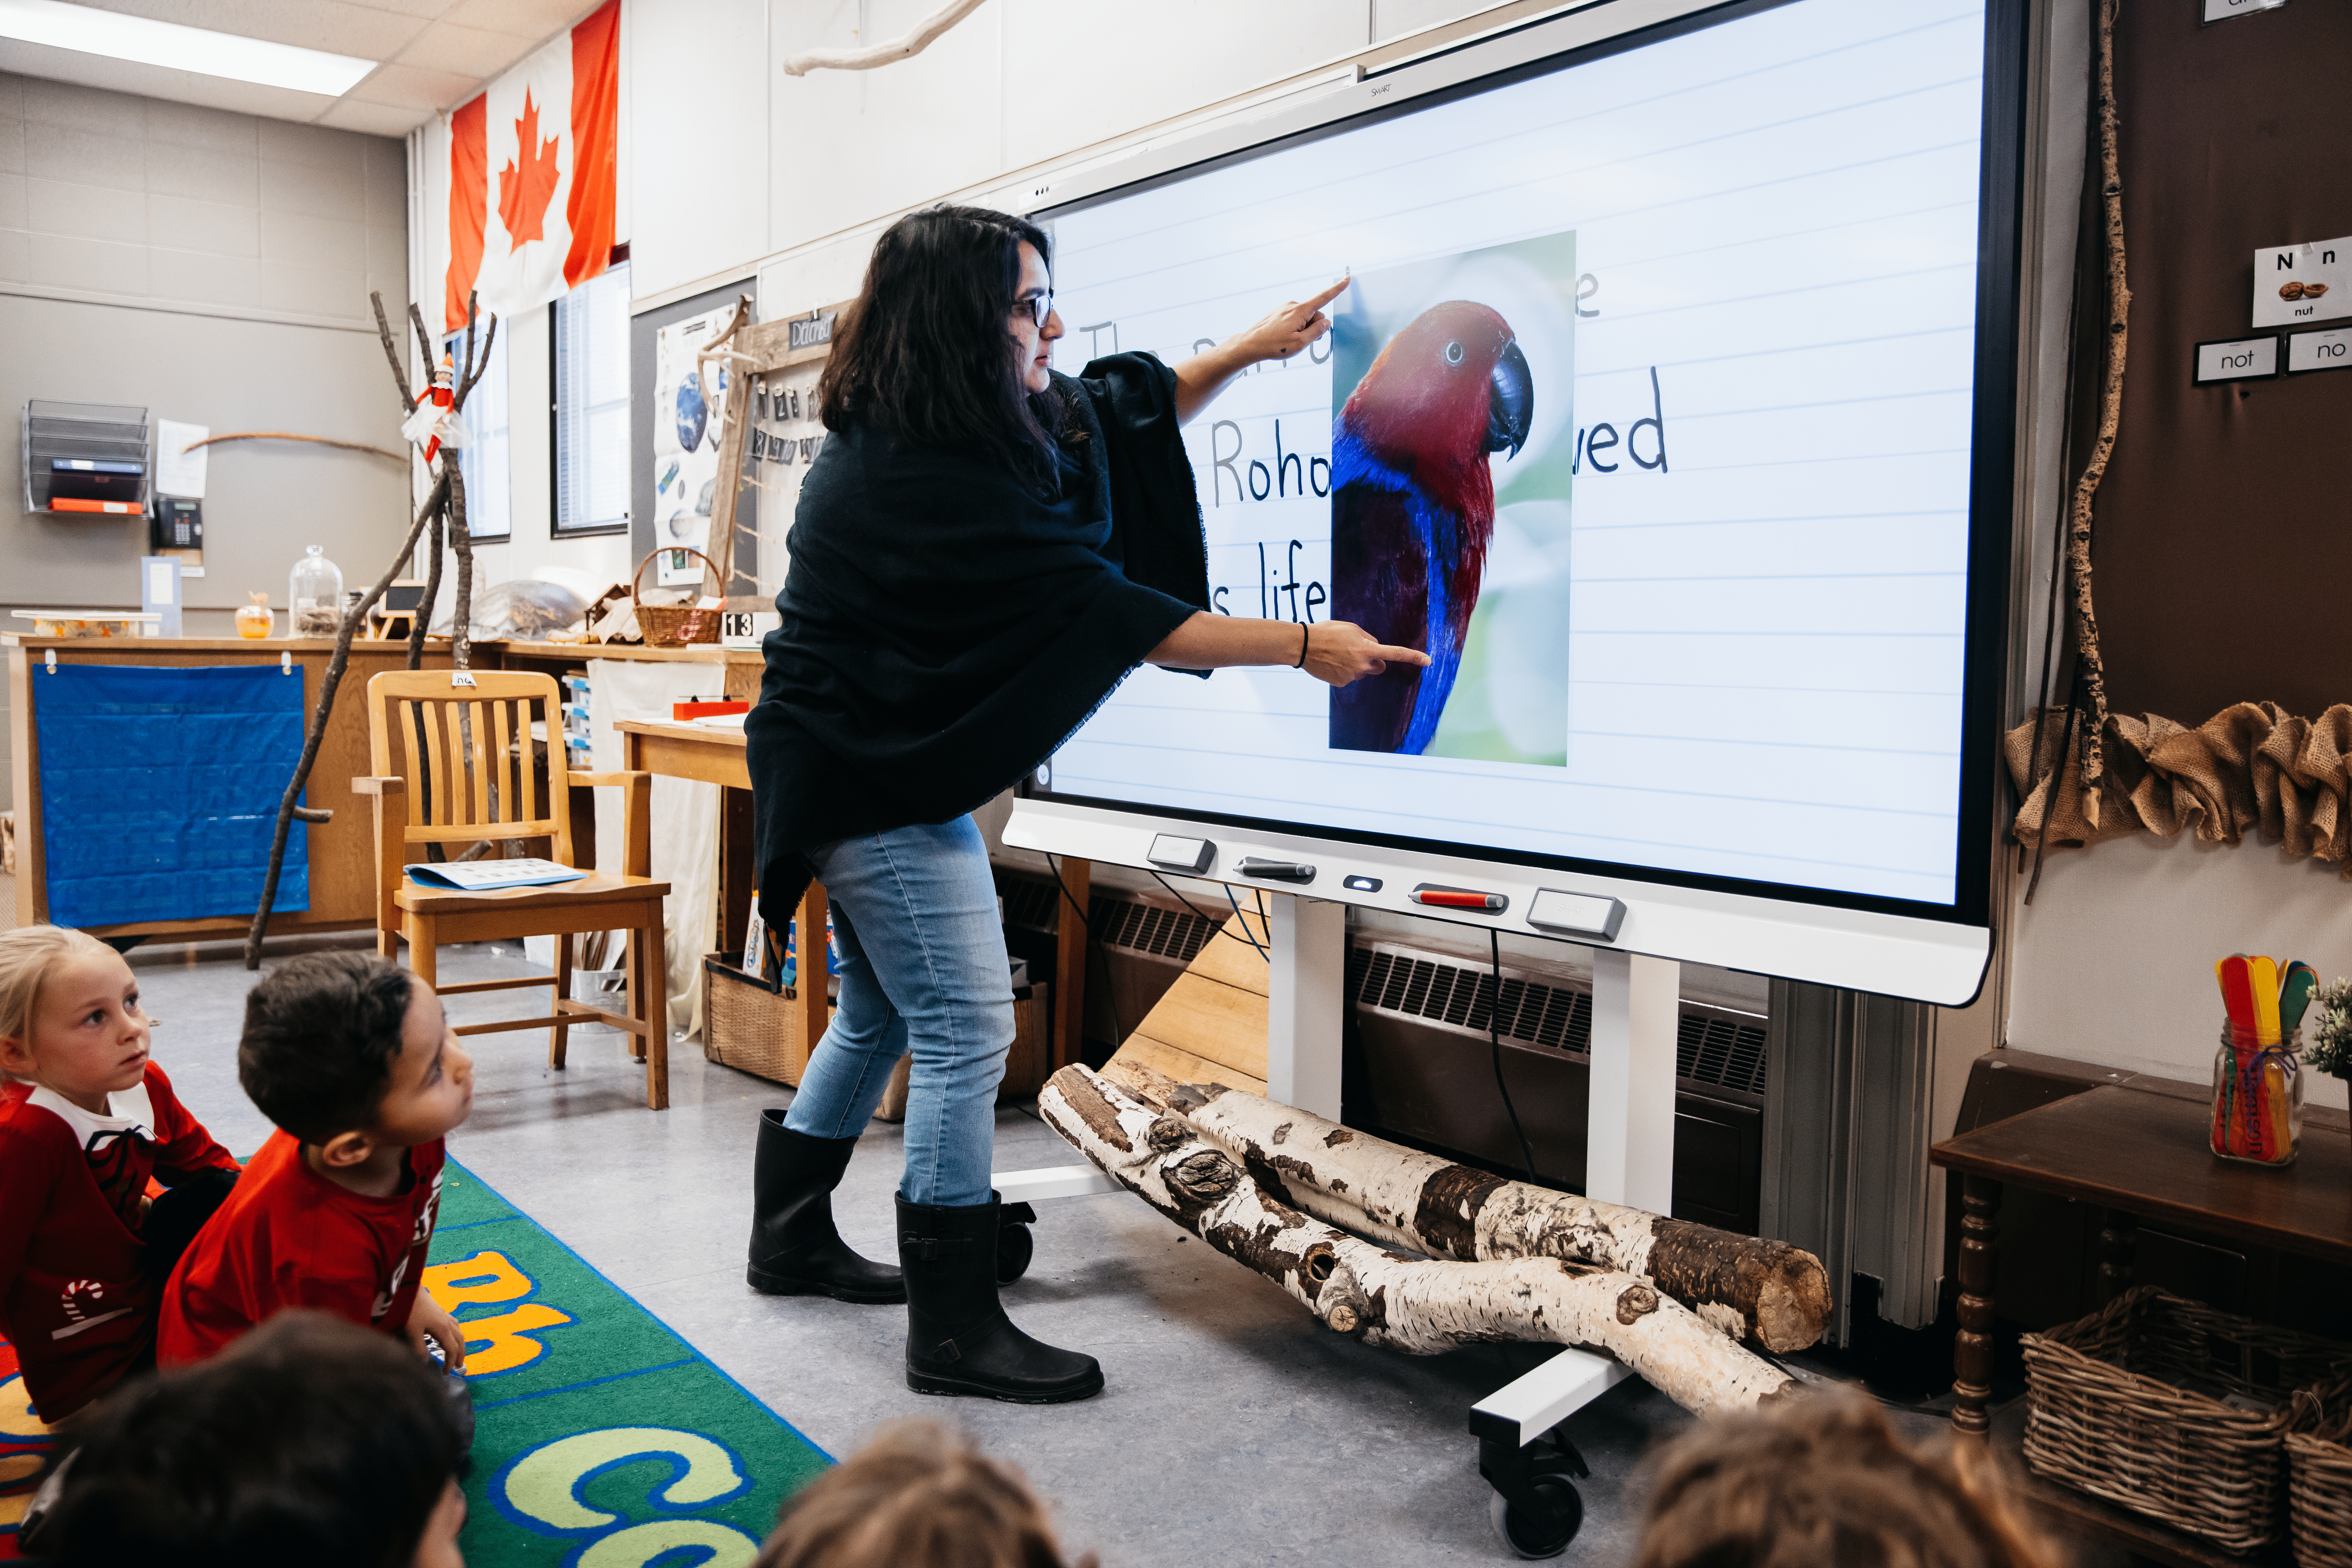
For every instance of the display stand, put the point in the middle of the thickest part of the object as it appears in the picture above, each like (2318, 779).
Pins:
(1629, 1159)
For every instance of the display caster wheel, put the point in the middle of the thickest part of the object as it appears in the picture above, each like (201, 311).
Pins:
(1536, 1507)
(1014, 1245)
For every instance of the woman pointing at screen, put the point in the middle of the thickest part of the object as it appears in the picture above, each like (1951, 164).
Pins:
(983, 552)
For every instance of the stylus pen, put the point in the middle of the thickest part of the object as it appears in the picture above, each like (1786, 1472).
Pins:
(1456, 899)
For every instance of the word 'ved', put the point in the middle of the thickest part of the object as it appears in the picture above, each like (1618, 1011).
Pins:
(1597, 445)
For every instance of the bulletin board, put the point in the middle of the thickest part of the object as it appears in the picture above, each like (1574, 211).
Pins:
(2219, 533)
(160, 789)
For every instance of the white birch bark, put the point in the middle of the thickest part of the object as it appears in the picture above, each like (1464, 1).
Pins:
(1418, 1305)
(1742, 1285)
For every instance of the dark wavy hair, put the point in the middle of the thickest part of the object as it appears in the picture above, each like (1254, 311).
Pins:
(925, 353)
(311, 1440)
(321, 1032)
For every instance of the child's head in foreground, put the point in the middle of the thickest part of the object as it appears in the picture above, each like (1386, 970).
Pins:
(916, 1493)
(69, 1014)
(310, 1441)
(352, 1055)
(1824, 1482)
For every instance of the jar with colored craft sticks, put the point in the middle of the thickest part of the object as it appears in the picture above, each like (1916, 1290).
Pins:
(2257, 1080)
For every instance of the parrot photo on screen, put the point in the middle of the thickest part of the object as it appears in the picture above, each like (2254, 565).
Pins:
(1412, 509)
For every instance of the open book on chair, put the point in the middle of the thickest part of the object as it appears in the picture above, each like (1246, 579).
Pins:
(489, 876)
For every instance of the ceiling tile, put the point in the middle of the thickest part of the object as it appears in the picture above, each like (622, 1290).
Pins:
(331, 25)
(407, 7)
(469, 51)
(535, 19)
(373, 119)
(411, 87)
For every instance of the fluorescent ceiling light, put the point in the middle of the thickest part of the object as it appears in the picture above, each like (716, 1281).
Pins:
(110, 32)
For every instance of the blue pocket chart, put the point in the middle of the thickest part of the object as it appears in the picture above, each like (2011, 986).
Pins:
(160, 789)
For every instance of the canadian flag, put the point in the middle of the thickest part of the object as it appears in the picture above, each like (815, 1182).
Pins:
(531, 175)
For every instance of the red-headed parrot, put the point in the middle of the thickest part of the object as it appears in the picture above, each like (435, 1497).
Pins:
(1412, 509)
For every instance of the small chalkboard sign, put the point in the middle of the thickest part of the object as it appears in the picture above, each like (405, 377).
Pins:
(808, 332)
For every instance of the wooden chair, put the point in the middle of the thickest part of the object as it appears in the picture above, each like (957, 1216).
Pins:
(455, 765)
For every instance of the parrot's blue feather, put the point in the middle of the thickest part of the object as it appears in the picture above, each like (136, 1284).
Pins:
(1438, 532)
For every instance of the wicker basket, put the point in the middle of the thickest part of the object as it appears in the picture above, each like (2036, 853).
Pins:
(748, 1027)
(2127, 1406)
(2319, 1475)
(673, 626)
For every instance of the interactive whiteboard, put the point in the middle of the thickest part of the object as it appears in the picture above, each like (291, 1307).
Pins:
(1668, 411)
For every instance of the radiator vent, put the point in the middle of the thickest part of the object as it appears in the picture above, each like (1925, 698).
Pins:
(1177, 935)
(1711, 1047)
(1115, 919)
(1028, 903)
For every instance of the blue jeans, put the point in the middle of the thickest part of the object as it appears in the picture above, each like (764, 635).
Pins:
(923, 969)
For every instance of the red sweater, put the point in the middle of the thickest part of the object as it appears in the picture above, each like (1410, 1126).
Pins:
(289, 1238)
(73, 1296)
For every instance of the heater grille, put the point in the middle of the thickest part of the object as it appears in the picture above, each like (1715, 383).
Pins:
(1177, 935)
(1712, 1047)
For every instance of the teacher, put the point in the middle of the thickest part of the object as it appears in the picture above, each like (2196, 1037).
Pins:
(984, 551)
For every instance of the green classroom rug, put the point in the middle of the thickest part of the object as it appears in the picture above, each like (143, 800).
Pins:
(602, 1439)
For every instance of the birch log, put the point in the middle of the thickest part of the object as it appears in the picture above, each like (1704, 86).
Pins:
(1744, 1286)
(1418, 1305)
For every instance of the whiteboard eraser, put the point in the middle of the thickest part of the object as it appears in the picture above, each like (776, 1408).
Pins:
(1173, 854)
(1588, 916)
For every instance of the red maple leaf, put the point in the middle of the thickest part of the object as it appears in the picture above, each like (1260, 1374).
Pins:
(524, 193)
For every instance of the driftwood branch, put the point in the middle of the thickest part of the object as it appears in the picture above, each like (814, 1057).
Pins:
(1388, 1299)
(734, 419)
(2111, 411)
(1777, 1293)
(290, 436)
(289, 806)
(392, 354)
(423, 346)
(899, 49)
(442, 518)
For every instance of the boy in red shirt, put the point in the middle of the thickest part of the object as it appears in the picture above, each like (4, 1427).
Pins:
(86, 1118)
(353, 1060)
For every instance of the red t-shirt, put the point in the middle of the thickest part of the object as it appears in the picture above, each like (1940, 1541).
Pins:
(73, 1294)
(289, 1238)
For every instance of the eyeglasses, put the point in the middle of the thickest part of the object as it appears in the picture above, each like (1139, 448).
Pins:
(1036, 307)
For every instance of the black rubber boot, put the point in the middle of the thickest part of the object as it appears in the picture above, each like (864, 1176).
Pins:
(795, 1251)
(958, 1340)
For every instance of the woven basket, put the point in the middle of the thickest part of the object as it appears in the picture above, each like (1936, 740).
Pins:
(673, 626)
(2319, 1475)
(747, 1026)
(2126, 1405)
(753, 1029)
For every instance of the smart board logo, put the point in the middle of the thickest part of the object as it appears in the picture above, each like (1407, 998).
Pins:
(810, 332)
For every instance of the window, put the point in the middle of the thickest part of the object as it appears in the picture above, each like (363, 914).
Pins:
(483, 460)
(591, 405)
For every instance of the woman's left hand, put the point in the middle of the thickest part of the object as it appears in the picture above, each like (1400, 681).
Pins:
(1286, 330)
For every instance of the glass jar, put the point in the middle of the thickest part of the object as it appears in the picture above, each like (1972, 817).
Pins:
(314, 595)
(2257, 1100)
(253, 620)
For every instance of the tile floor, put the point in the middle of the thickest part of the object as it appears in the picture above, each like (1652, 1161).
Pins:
(1233, 1429)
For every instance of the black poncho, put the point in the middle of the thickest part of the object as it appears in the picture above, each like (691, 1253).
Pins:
(946, 624)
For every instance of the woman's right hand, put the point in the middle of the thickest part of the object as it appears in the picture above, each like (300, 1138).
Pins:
(1339, 652)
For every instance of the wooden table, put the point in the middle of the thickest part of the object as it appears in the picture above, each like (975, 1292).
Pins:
(2138, 1154)
(714, 754)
